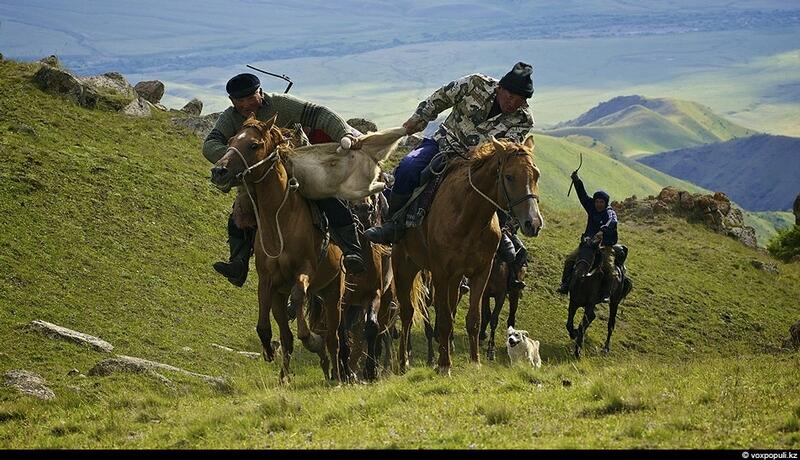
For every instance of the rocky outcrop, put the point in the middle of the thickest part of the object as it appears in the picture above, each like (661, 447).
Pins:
(51, 60)
(58, 332)
(28, 383)
(201, 126)
(122, 363)
(138, 108)
(363, 125)
(193, 107)
(109, 91)
(767, 267)
(150, 90)
(715, 211)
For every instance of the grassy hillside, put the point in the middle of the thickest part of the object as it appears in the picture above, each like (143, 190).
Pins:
(758, 172)
(636, 125)
(110, 227)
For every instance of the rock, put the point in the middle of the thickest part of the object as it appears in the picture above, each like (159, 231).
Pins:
(796, 210)
(187, 349)
(57, 81)
(150, 90)
(193, 107)
(51, 61)
(566, 382)
(122, 363)
(794, 334)
(411, 141)
(73, 371)
(29, 383)
(138, 108)
(58, 332)
(112, 90)
(248, 354)
(668, 195)
(1, 56)
(363, 125)
(767, 267)
(200, 126)
(109, 90)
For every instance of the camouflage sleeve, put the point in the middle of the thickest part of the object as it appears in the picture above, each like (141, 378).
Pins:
(443, 98)
(216, 143)
(518, 132)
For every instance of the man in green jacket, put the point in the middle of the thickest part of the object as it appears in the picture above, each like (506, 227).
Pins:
(320, 124)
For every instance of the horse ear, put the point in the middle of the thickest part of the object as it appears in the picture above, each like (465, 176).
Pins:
(267, 125)
(529, 142)
(497, 144)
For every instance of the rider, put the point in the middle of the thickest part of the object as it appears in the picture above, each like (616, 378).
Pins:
(321, 124)
(482, 107)
(601, 225)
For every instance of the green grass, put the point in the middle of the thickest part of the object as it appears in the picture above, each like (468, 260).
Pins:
(111, 226)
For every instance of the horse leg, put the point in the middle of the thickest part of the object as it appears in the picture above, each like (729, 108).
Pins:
(486, 314)
(426, 319)
(588, 317)
(494, 319)
(477, 285)
(571, 320)
(513, 302)
(264, 327)
(404, 282)
(332, 304)
(346, 337)
(287, 339)
(444, 323)
(612, 321)
(310, 340)
(371, 332)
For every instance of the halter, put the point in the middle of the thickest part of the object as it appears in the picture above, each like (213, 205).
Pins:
(274, 157)
(507, 211)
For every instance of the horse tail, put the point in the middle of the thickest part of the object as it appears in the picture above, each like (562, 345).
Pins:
(419, 295)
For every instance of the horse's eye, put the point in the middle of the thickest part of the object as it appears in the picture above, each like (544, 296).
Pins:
(509, 178)
(254, 146)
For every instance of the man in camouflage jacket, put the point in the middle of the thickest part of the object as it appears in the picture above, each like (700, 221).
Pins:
(321, 124)
(482, 107)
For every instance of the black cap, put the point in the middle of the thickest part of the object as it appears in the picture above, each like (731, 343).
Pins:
(602, 195)
(242, 85)
(518, 80)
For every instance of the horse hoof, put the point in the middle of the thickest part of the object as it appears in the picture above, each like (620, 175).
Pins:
(606, 351)
(267, 354)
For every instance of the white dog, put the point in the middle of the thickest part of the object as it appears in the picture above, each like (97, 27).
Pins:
(332, 170)
(520, 347)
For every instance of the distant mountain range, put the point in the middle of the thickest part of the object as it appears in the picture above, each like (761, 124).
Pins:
(760, 172)
(635, 126)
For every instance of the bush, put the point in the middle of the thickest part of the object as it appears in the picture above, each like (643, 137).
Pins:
(786, 244)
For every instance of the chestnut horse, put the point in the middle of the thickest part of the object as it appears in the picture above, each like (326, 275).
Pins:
(288, 253)
(460, 235)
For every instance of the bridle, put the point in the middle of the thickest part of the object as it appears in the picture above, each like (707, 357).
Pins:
(509, 210)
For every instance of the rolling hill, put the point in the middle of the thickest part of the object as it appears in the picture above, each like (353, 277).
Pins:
(110, 226)
(637, 126)
(761, 173)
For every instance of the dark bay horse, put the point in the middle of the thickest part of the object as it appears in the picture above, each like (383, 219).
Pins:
(584, 291)
(288, 253)
(497, 289)
(460, 235)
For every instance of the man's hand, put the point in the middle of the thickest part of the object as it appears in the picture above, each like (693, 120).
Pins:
(350, 142)
(414, 124)
(598, 237)
(574, 176)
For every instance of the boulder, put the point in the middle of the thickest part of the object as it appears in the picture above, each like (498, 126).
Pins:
(28, 383)
(200, 126)
(51, 60)
(767, 267)
(363, 125)
(138, 108)
(668, 195)
(62, 333)
(150, 90)
(122, 363)
(58, 81)
(109, 90)
(193, 107)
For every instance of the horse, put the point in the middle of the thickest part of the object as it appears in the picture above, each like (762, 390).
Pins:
(460, 236)
(497, 288)
(290, 257)
(584, 291)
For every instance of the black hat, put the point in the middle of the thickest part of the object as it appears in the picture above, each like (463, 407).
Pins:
(242, 85)
(602, 195)
(519, 81)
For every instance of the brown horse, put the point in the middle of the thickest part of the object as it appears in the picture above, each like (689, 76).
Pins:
(497, 289)
(288, 253)
(460, 235)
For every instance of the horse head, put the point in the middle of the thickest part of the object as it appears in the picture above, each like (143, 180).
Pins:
(519, 183)
(249, 149)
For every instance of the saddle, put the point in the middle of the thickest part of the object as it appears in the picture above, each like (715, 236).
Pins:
(422, 196)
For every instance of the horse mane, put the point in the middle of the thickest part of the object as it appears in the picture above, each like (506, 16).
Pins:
(486, 152)
(278, 135)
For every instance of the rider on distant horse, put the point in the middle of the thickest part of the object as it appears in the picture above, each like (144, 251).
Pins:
(482, 107)
(323, 125)
(600, 224)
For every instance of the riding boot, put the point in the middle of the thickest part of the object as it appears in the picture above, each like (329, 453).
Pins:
(346, 237)
(565, 279)
(508, 254)
(392, 230)
(241, 248)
